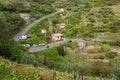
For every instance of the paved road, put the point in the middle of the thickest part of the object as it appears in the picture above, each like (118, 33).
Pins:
(23, 32)
(99, 40)
(36, 49)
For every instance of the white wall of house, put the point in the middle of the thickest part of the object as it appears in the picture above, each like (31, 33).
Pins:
(56, 37)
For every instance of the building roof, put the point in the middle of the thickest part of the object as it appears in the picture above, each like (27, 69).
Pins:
(57, 34)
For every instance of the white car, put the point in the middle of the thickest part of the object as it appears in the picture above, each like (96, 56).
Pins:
(41, 45)
(26, 45)
(35, 45)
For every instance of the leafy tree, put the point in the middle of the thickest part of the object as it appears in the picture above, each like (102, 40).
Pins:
(10, 51)
(85, 69)
(60, 50)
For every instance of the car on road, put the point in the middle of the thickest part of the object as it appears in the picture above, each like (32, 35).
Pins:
(26, 45)
(47, 46)
(69, 41)
(28, 36)
(34, 45)
(41, 45)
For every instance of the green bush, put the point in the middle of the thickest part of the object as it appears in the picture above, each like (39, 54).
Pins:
(105, 48)
(101, 57)
(60, 50)
(10, 24)
(111, 54)
(11, 50)
(92, 51)
(73, 45)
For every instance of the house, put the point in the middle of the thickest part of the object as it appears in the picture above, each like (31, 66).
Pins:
(57, 36)
(98, 23)
(61, 10)
(62, 25)
(25, 16)
(49, 22)
(81, 44)
(43, 31)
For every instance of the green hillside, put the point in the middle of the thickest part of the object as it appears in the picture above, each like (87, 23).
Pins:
(96, 22)
(13, 71)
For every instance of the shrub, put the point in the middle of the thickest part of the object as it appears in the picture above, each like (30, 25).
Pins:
(111, 54)
(92, 51)
(105, 48)
(101, 57)
(60, 50)
(73, 45)
(10, 51)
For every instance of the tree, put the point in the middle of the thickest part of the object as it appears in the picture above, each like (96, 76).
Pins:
(10, 50)
(85, 69)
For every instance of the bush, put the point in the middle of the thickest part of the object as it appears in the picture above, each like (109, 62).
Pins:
(101, 57)
(111, 54)
(92, 51)
(60, 50)
(105, 48)
(73, 45)
(10, 51)
(10, 24)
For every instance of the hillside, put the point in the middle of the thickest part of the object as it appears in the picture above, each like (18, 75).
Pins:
(11, 70)
(10, 19)
(60, 39)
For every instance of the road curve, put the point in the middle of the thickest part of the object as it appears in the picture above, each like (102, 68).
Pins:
(23, 32)
(38, 48)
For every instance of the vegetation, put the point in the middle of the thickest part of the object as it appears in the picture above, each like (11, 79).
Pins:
(88, 19)
(11, 70)
(111, 54)
(73, 45)
(11, 51)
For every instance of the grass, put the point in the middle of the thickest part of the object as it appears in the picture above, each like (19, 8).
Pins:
(11, 70)
(73, 45)
(35, 40)
(52, 54)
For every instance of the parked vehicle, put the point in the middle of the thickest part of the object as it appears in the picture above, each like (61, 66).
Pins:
(25, 37)
(41, 45)
(34, 45)
(47, 46)
(69, 41)
(28, 36)
(26, 45)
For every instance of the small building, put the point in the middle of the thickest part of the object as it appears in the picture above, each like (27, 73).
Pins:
(57, 36)
(25, 16)
(49, 22)
(62, 25)
(81, 44)
(61, 10)
(43, 31)
(98, 23)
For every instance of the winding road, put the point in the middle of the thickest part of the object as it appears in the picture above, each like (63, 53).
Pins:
(38, 48)
(24, 31)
